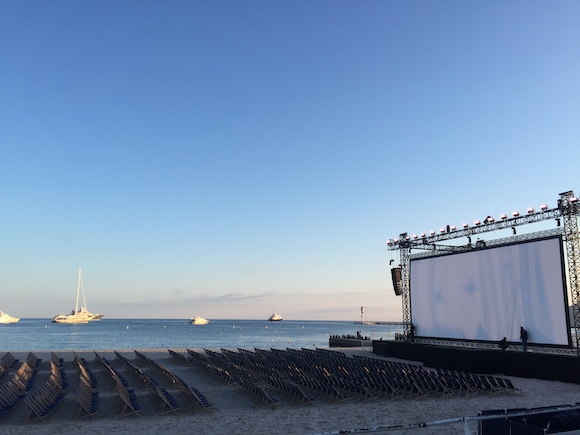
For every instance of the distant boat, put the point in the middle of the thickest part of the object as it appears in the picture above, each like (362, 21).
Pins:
(6, 318)
(275, 317)
(199, 321)
(79, 314)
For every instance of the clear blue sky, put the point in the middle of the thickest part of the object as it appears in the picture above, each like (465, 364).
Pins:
(226, 158)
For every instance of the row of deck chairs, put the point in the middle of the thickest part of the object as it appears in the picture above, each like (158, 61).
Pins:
(442, 381)
(218, 365)
(6, 363)
(245, 358)
(129, 404)
(191, 394)
(45, 400)
(19, 384)
(334, 375)
(164, 399)
(87, 394)
(311, 375)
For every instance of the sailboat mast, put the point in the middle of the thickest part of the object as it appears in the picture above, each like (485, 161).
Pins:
(84, 296)
(78, 290)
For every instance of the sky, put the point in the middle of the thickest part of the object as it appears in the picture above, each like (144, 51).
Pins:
(227, 159)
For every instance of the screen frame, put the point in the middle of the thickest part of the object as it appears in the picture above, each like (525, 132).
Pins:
(466, 337)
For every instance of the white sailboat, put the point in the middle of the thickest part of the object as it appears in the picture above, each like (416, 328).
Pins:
(79, 314)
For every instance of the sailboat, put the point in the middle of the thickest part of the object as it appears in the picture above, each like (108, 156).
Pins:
(79, 314)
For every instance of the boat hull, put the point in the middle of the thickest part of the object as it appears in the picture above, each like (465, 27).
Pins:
(12, 320)
(64, 319)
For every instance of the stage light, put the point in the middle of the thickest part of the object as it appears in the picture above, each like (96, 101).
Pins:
(441, 230)
(503, 217)
(423, 235)
(544, 207)
(453, 227)
(407, 238)
(558, 222)
(530, 210)
(573, 200)
(515, 213)
(414, 236)
(389, 243)
(514, 230)
(465, 225)
(477, 222)
(432, 232)
(489, 220)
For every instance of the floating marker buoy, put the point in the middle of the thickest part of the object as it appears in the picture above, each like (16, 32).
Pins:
(126, 327)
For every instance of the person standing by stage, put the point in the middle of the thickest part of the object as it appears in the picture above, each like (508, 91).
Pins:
(412, 333)
(524, 338)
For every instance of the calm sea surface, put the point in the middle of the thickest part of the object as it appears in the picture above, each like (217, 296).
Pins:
(42, 334)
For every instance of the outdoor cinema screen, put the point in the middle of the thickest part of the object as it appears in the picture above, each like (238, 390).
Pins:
(487, 294)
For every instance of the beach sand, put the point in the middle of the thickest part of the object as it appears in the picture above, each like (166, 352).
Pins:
(233, 412)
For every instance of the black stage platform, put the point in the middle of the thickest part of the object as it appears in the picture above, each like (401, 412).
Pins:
(529, 364)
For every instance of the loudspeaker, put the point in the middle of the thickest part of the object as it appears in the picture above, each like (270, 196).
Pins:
(396, 277)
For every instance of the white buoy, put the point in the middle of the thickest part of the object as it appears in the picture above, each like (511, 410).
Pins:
(126, 327)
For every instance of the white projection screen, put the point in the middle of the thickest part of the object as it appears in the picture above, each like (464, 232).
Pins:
(488, 294)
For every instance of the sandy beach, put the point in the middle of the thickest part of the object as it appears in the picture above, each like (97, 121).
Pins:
(233, 412)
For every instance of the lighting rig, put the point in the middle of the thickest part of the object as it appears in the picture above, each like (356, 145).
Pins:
(565, 214)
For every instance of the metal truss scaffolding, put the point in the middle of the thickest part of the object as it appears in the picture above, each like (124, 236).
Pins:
(405, 287)
(567, 211)
(570, 217)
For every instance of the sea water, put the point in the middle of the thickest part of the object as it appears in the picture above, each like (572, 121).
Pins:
(42, 334)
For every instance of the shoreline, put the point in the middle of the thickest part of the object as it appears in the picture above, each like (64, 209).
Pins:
(233, 412)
